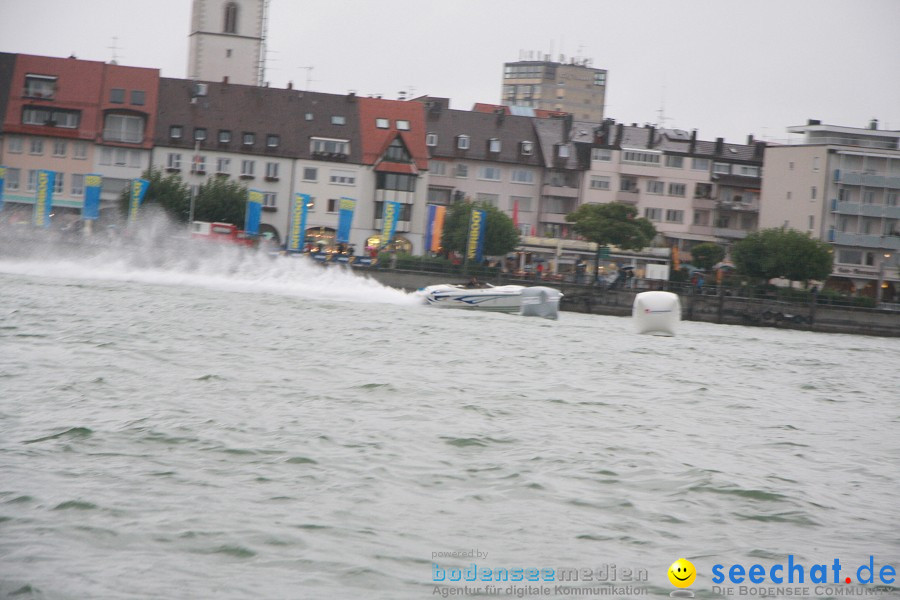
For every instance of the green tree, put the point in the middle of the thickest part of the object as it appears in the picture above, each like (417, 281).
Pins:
(169, 192)
(786, 253)
(615, 224)
(500, 235)
(705, 256)
(221, 200)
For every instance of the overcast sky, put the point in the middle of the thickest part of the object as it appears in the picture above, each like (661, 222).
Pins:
(728, 68)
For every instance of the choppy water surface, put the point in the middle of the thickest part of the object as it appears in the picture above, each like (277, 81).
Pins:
(265, 429)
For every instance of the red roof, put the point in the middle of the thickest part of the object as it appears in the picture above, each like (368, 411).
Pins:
(392, 167)
(375, 140)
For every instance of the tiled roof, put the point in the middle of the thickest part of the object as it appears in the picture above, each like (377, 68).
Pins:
(482, 127)
(258, 110)
(376, 139)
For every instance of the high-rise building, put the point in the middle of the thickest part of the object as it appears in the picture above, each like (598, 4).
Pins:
(575, 87)
(227, 41)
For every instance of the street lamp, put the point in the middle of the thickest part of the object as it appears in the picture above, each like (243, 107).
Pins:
(878, 291)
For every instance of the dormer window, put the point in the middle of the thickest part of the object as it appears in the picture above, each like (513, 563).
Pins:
(494, 145)
(40, 86)
(462, 142)
(431, 139)
(397, 152)
(231, 13)
(175, 132)
(403, 125)
(199, 134)
(562, 151)
(224, 136)
(382, 123)
(527, 148)
(249, 138)
(338, 120)
(272, 141)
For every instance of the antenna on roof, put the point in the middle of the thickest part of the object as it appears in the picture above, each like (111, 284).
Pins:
(308, 76)
(114, 47)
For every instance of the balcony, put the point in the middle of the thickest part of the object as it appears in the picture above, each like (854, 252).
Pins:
(563, 191)
(553, 218)
(732, 234)
(629, 197)
(866, 179)
(862, 240)
(866, 210)
(752, 206)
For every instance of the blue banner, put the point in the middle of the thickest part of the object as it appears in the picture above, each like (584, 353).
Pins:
(138, 189)
(2, 184)
(389, 221)
(345, 219)
(475, 246)
(429, 225)
(43, 199)
(297, 232)
(90, 211)
(254, 212)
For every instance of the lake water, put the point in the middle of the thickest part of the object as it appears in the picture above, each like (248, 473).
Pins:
(247, 427)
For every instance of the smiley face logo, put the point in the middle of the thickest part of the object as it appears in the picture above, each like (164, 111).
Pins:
(682, 573)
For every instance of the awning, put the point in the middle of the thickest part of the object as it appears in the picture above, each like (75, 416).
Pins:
(391, 167)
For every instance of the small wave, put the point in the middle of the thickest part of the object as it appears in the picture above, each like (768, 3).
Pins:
(76, 505)
(210, 377)
(300, 460)
(236, 551)
(74, 432)
(751, 494)
(789, 517)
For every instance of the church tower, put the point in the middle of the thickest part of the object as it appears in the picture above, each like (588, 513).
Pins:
(228, 40)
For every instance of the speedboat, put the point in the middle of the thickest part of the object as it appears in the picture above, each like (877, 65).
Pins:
(537, 301)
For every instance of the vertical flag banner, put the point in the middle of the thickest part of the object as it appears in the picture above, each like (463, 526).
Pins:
(515, 215)
(297, 231)
(43, 199)
(389, 221)
(2, 184)
(429, 225)
(137, 192)
(253, 213)
(345, 219)
(90, 211)
(475, 245)
(438, 231)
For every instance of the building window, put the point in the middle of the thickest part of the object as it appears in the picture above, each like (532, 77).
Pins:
(138, 97)
(175, 132)
(59, 148)
(461, 170)
(330, 146)
(395, 181)
(490, 199)
(338, 120)
(600, 78)
(675, 162)
(249, 139)
(199, 134)
(493, 145)
(812, 222)
(601, 154)
(106, 156)
(117, 96)
(272, 141)
(431, 139)
(223, 165)
(523, 202)
(231, 15)
(676, 189)
(123, 128)
(462, 142)
(342, 177)
(40, 86)
(812, 193)
(134, 158)
(36, 146)
(310, 174)
(247, 167)
(173, 160)
(722, 168)
(67, 119)
(562, 150)
(703, 190)
(58, 183)
(522, 176)
(674, 216)
(655, 187)
(12, 178)
(405, 213)
(14, 144)
(701, 217)
(700, 164)
(224, 136)
(599, 183)
(634, 156)
(437, 167)
(748, 171)
(628, 184)
(308, 116)
(527, 148)
(382, 123)
(489, 173)
(815, 167)
(272, 171)
(32, 180)
(270, 199)
(653, 214)
(396, 152)
(121, 157)
(198, 164)
(403, 125)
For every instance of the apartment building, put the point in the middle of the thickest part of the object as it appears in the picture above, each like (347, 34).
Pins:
(574, 87)
(75, 117)
(841, 185)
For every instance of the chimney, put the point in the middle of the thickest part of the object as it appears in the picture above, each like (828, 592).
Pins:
(651, 139)
(873, 124)
(813, 122)
(290, 85)
(620, 134)
(351, 97)
(225, 79)
(759, 148)
(500, 112)
(693, 144)
(750, 140)
(720, 145)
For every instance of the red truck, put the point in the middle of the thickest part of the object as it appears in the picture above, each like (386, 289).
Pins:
(224, 233)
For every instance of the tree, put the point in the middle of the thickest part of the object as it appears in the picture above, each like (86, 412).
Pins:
(169, 192)
(705, 256)
(614, 224)
(786, 253)
(500, 235)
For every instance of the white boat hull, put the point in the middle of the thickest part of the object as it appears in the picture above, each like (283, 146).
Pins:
(528, 301)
